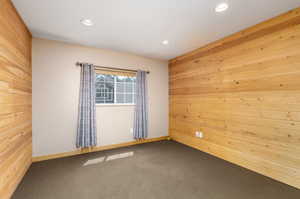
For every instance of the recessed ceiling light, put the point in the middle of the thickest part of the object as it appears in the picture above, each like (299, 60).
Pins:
(221, 7)
(87, 22)
(165, 42)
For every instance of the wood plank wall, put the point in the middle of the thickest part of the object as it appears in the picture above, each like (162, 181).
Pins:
(243, 92)
(15, 99)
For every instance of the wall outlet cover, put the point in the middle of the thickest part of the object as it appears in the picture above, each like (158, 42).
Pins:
(199, 134)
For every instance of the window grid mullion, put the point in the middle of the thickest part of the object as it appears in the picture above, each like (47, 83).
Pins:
(104, 93)
(115, 89)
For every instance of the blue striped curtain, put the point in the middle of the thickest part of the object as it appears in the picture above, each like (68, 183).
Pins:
(86, 130)
(140, 127)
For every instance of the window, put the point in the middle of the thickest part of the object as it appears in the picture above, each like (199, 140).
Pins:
(115, 89)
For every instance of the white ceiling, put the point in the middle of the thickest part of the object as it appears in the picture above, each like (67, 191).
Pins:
(139, 26)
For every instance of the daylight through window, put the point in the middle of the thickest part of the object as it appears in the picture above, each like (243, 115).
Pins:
(114, 89)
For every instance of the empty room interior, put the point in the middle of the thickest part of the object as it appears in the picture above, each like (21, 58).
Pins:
(161, 99)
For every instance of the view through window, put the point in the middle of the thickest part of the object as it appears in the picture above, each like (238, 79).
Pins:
(114, 89)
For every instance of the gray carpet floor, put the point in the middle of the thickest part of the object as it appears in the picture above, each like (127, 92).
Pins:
(160, 170)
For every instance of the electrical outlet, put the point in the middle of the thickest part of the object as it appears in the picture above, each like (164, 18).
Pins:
(199, 134)
(131, 130)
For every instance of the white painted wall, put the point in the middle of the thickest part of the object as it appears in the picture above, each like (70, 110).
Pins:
(56, 92)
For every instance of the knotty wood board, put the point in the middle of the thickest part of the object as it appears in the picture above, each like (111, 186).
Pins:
(15, 99)
(243, 92)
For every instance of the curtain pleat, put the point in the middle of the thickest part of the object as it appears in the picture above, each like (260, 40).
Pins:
(140, 127)
(86, 130)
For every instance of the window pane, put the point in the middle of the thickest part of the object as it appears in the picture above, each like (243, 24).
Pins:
(109, 98)
(109, 78)
(119, 98)
(128, 98)
(106, 86)
(99, 85)
(121, 78)
(134, 86)
(120, 88)
(99, 77)
(99, 101)
(109, 86)
(128, 87)
(128, 79)
(104, 89)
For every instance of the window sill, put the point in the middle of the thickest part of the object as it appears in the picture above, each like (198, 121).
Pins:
(100, 105)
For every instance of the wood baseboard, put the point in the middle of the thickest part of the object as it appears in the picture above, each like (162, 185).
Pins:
(95, 149)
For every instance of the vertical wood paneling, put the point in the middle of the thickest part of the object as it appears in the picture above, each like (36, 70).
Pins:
(15, 99)
(243, 92)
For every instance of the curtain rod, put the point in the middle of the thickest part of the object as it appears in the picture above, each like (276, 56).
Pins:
(112, 68)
